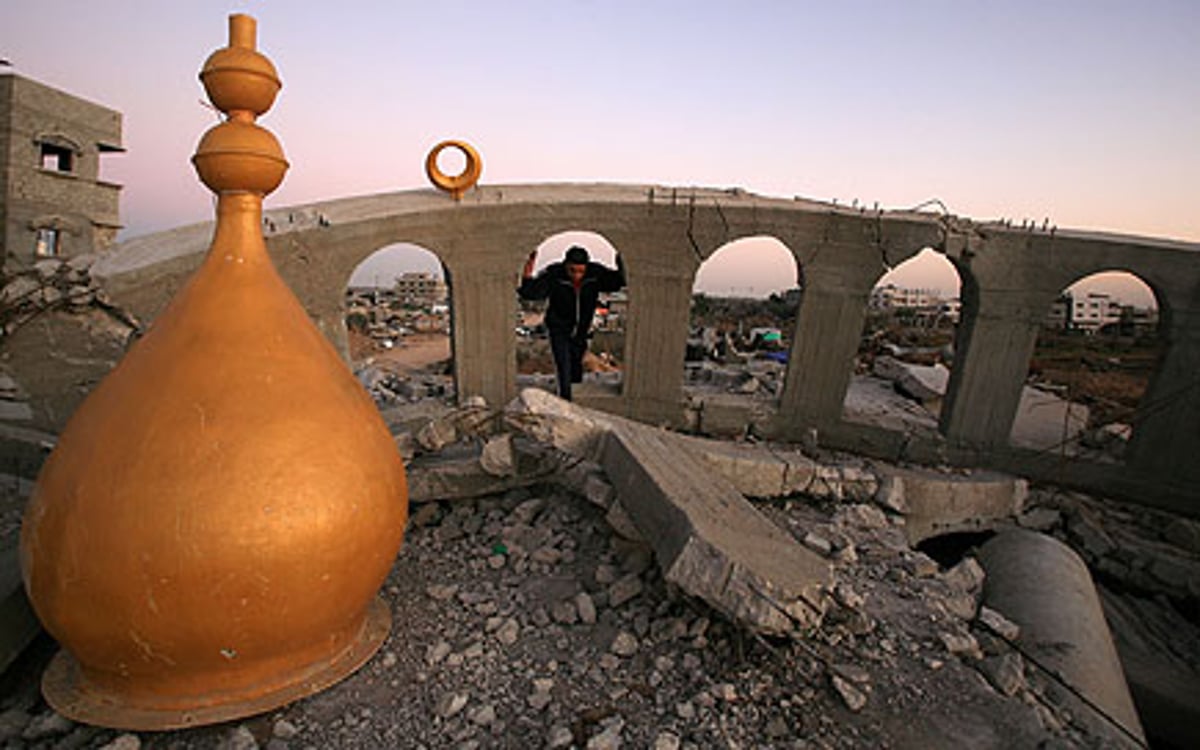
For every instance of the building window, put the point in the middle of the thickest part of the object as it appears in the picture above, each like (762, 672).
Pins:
(48, 243)
(57, 158)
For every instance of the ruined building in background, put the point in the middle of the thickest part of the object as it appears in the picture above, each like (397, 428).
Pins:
(53, 202)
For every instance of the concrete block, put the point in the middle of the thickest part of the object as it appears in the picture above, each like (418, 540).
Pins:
(934, 503)
(709, 541)
(457, 473)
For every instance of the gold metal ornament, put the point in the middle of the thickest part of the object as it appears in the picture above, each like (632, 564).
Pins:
(208, 538)
(460, 183)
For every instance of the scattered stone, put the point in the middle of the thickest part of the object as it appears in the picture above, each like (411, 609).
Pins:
(559, 737)
(848, 597)
(850, 695)
(621, 523)
(482, 715)
(921, 565)
(565, 613)
(424, 515)
(528, 510)
(967, 576)
(497, 456)
(586, 608)
(609, 738)
(625, 644)
(509, 632)
(1005, 672)
(450, 704)
(623, 590)
(1087, 533)
(238, 738)
(605, 575)
(437, 434)
(441, 592)
(284, 729)
(999, 624)
(818, 544)
(125, 741)
(961, 644)
(43, 726)
(13, 723)
(666, 741)
(437, 652)
(861, 516)
(1040, 519)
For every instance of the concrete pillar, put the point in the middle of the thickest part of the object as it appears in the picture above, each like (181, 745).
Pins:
(656, 339)
(991, 360)
(828, 329)
(1166, 434)
(484, 343)
(1042, 585)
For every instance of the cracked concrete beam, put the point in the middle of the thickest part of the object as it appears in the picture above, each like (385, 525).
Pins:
(707, 538)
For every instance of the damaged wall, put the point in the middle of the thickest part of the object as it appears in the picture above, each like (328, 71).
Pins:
(1010, 277)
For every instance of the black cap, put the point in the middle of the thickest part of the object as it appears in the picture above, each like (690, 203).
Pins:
(577, 255)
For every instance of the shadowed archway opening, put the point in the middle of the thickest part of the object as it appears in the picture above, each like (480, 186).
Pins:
(1097, 349)
(604, 360)
(745, 298)
(906, 352)
(398, 325)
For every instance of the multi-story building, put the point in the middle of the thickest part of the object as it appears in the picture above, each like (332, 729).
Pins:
(53, 202)
(418, 289)
(892, 297)
(1092, 311)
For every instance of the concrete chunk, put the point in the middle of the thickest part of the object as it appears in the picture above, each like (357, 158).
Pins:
(934, 503)
(711, 542)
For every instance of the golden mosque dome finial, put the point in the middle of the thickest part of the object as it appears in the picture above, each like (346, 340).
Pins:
(239, 155)
(208, 538)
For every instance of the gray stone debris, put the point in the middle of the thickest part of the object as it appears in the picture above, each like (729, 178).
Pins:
(1005, 672)
(854, 698)
(123, 742)
(999, 624)
(935, 503)
(497, 456)
(708, 540)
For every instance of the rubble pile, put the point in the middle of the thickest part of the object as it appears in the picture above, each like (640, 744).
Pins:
(389, 388)
(57, 284)
(535, 605)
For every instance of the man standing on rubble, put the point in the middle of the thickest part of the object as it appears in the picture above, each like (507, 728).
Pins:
(573, 288)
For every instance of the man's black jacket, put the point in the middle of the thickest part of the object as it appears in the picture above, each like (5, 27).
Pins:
(570, 313)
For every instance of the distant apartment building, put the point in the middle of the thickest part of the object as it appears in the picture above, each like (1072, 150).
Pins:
(1094, 312)
(928, 303)
(53, 202)
(422, 290)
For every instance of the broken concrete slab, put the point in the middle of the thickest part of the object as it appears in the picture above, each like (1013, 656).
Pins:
(1046, 422)
(709, 541)
(935, 503)
(925, 384)
(707, 538)
(457, 473)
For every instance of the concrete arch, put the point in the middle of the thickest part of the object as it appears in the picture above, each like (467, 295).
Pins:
(664, 233)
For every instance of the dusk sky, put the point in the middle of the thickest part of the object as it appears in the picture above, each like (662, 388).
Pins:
(1086, 112)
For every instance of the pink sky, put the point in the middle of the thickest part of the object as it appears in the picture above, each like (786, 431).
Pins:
(1082, 111)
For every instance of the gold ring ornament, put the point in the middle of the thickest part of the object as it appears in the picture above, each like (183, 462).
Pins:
(458, 184)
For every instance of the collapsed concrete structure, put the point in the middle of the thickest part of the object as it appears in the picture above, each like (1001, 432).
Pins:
(1010, 278)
